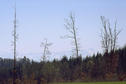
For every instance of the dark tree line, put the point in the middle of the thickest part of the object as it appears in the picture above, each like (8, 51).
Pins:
(90, 68)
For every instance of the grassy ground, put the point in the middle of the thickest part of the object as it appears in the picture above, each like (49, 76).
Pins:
(94, 83)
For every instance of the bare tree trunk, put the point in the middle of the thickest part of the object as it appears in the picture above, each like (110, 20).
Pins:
(15, 38)
(109, 43)
(70, 26)
(45, 45)
(74, 33)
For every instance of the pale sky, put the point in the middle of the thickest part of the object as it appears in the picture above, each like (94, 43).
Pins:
(39, 19)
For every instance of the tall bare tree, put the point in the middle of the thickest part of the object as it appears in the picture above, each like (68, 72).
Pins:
(109, 44)
(15, 45)
(45, 47)
(71, 27)
(109, 35)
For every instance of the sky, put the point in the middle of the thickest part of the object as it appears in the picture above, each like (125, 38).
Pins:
(39, 19)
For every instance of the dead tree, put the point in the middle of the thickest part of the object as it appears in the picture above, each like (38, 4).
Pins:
(45, 45)
(105, 35)
(109, 38)
(15, 46)
(71, 27)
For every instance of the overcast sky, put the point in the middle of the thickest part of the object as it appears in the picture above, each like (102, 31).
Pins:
(39, 19)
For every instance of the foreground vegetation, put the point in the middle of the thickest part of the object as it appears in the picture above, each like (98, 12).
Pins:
(93, 83)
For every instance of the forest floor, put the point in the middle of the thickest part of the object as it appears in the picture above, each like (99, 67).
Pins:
(92, 83)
